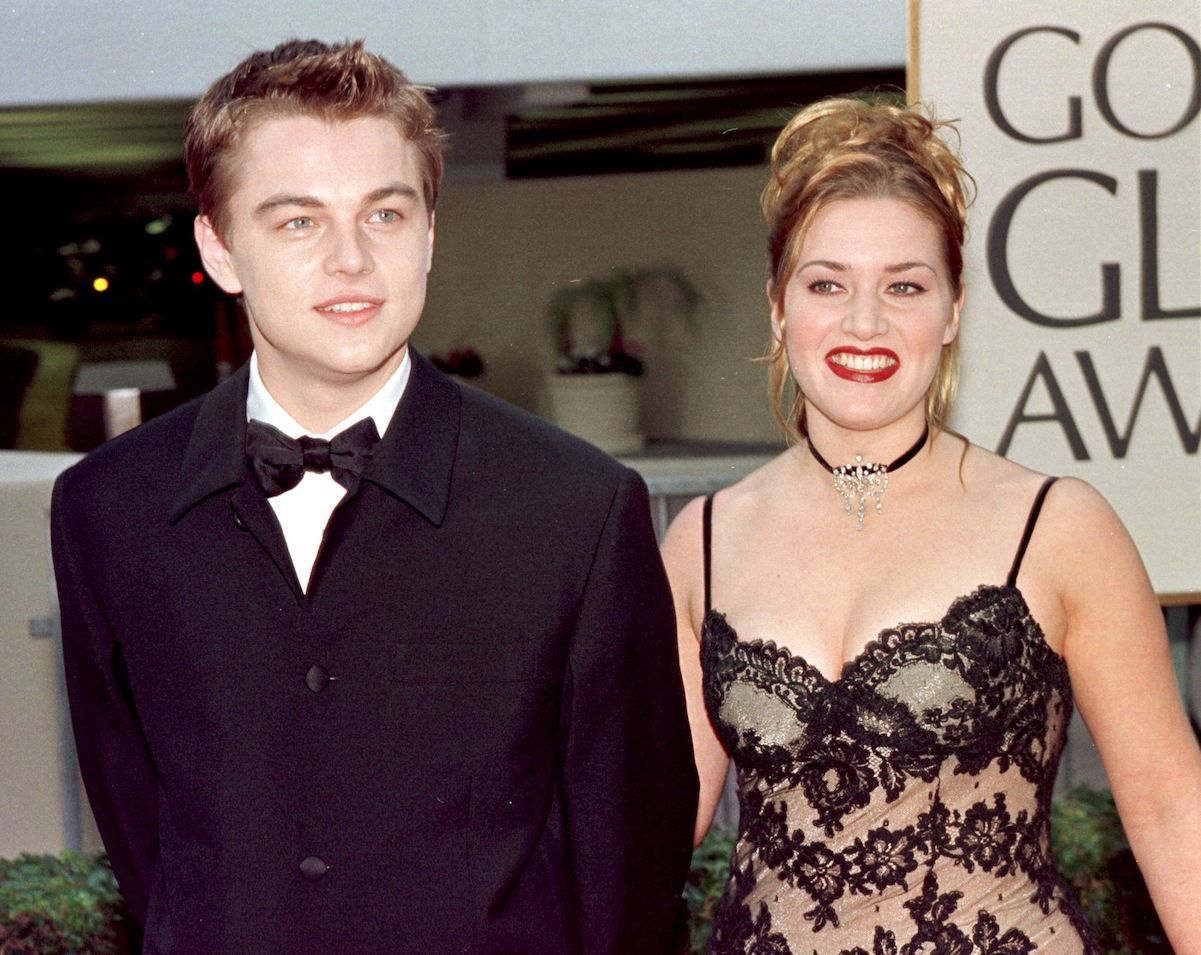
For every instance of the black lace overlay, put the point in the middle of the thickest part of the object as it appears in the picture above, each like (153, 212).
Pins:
(905, 807)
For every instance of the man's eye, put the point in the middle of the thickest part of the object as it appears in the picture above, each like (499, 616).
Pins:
(300, 222)
(386, 215)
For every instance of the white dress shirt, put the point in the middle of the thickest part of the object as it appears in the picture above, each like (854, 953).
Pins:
(304, 511)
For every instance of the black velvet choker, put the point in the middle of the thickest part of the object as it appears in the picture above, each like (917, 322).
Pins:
(861, 481)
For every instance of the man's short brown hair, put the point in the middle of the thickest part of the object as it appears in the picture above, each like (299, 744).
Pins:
(303, 78)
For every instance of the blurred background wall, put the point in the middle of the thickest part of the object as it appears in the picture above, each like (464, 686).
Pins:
(584, 137)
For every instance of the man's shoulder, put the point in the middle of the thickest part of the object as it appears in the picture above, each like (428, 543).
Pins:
(151, 455)
(522, 478)
(147, 455)
(515, 440)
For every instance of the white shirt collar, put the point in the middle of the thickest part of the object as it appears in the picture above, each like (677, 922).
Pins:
(380, 407)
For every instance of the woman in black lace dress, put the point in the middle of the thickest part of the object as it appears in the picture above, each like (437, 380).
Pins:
(895, 777)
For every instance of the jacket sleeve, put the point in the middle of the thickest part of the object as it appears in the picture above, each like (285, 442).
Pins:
(113, 758)
(629, 783)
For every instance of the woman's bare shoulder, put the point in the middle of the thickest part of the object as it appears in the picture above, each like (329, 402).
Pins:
(1087, 531)
(764, 482)
(996, 482)
(683, 545)
(1080, 539)
(683, 536)
(1069, 500)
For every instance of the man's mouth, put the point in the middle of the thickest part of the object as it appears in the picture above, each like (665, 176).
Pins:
(346, 307)
(349, 311)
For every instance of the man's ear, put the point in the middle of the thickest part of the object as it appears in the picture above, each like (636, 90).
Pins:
(215, 256)
(429, 248)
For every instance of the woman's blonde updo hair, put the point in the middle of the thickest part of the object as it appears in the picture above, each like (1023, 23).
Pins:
(851, 149)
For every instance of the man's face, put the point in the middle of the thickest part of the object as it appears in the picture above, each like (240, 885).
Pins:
(329, 242)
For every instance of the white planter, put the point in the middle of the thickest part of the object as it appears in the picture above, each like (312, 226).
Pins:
(601, 409)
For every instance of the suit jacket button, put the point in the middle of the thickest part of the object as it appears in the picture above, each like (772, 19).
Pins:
(313, 868)
(317, 679)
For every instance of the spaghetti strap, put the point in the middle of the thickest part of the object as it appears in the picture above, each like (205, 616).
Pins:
(1012, 580)
(708, 535)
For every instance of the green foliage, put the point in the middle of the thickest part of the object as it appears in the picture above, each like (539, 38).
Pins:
(591, 320)
(61, 904)
(1095, 861)
(55, 905)
(1089, 846)
(710, 863)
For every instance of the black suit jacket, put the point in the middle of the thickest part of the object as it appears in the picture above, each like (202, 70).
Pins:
(469, 735)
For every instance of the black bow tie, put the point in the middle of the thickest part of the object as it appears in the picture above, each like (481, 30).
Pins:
(279, 462)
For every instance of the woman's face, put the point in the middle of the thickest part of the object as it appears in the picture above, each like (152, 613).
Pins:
(866, 311)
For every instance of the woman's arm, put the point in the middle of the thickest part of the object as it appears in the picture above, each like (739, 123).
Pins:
(684, 559)
(1122, 679)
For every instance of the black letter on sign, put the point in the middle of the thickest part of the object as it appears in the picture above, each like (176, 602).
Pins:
(1148, 216)
(998, 254)
(1062, 414)
(1118, 443)
(993, 101)
(1101, 80)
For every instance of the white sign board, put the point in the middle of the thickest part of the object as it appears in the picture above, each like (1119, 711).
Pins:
(1082, 332)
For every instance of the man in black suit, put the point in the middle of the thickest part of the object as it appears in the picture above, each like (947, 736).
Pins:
(340, 693)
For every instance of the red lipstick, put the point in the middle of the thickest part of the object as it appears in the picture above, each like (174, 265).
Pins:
(866, 366)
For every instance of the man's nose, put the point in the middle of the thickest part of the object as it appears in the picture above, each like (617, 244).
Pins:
(348, 252)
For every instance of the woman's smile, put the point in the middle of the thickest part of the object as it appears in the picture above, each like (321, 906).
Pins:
(866, 366)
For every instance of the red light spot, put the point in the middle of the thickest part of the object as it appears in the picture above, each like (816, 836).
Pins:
(197, 278)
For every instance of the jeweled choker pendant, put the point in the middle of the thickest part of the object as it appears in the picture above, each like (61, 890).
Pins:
(863, 481)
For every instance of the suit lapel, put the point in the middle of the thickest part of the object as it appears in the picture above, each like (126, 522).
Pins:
(215, 458)
(253, 515)
(415, 460)
(215, 462)
(414, 463)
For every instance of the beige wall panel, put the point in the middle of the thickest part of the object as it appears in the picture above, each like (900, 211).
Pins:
(503, 248)
(31, 790)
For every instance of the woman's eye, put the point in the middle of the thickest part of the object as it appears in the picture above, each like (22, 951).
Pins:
(907, 288)
(823, 287)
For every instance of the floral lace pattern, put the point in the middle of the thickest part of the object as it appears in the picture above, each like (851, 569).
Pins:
(905, 807)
